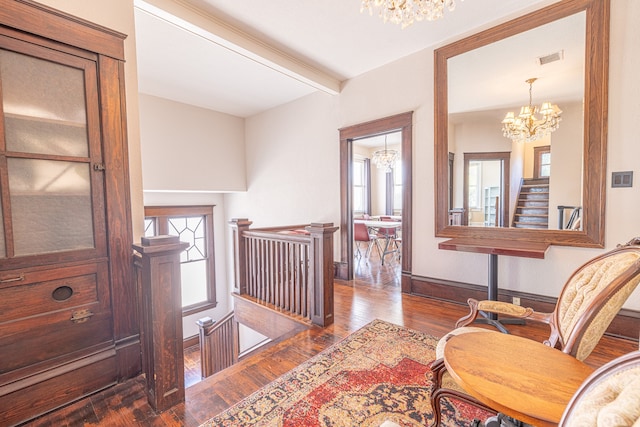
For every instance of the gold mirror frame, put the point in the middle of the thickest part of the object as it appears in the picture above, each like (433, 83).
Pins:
(595, 125)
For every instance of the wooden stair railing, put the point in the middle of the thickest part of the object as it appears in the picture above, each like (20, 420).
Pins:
(283, 284)
(219, 341)
(219, 344)
(288, 268)
(574, 216)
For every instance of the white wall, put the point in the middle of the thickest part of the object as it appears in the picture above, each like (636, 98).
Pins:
(566, 163)
(408, 86)
(292, 157)
(205, 147)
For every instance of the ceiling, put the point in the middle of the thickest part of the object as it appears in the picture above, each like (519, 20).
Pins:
(242, 57)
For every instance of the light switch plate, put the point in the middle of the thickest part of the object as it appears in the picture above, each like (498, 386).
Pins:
(622, 179)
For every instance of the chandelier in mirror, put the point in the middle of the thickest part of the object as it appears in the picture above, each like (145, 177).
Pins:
(526, 127)
(405, 12)
(385, 159)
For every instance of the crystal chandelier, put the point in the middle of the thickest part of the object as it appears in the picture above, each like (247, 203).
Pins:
(385, 159)
(405, 12)
(527, 127)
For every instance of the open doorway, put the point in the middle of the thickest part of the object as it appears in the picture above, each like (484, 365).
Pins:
(486, 189)
(377, 209)
(402, 125)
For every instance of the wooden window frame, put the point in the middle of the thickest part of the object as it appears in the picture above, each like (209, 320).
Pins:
(537, 159)
(161, 216)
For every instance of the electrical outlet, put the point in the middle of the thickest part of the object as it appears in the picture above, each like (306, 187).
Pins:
(516, 300)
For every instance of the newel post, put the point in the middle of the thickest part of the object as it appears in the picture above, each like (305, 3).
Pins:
(321, 257)
(158, 278)
(238, 226)
(206, 358)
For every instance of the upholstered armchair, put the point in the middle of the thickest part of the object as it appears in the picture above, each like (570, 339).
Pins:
(588, 302)
(609, 397)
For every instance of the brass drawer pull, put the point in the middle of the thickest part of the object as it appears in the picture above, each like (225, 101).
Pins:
(81, 316)
(20, 278)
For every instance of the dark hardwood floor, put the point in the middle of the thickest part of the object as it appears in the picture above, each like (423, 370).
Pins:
(192, 372)
(375, 294)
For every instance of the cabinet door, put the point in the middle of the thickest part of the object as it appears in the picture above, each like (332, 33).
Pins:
(65, 276)
(51, 177)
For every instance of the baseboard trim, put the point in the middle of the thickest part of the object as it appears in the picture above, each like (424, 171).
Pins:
(626, 324)
(340, 270)
(190, 341)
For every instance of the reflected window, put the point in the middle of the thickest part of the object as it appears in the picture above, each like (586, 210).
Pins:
(475, 168)
(542, 161)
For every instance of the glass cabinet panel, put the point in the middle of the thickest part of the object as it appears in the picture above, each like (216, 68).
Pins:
(50, 196)
(50, 206)
(44, 106)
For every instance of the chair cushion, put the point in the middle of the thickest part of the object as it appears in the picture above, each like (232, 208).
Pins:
(612, 402)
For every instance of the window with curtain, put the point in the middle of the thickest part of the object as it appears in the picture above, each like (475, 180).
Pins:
(397, 188)
(393, 189)
(361, 186)
(194, 225)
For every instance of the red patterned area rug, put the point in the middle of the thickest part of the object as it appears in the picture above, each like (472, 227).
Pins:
(378, 376)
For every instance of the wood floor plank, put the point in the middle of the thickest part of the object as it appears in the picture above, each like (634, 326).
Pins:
(374, 295)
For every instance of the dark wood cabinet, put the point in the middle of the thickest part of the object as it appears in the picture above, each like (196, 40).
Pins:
(68, 304)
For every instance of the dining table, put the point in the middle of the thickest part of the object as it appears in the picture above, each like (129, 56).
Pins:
(377, 227)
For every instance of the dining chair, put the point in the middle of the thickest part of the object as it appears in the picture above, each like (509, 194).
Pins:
(387, 233)
(588, 302)
(360, 235)
(391, 237)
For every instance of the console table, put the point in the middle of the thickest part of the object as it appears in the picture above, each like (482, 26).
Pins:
(495, 247)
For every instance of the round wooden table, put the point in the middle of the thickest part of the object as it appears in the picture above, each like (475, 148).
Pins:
(516, 376)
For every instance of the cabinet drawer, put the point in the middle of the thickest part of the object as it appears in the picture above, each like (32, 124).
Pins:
(35, 293)
(52, 313)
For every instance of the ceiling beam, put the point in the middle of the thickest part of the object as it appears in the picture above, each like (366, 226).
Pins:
(213, 29)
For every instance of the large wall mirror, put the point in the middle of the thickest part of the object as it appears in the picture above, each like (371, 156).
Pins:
(554, 60)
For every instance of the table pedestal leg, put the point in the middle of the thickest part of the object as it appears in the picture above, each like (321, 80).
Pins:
(492, 295)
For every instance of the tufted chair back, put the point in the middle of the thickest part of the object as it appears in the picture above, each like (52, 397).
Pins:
(609, 397)
(592, 297)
